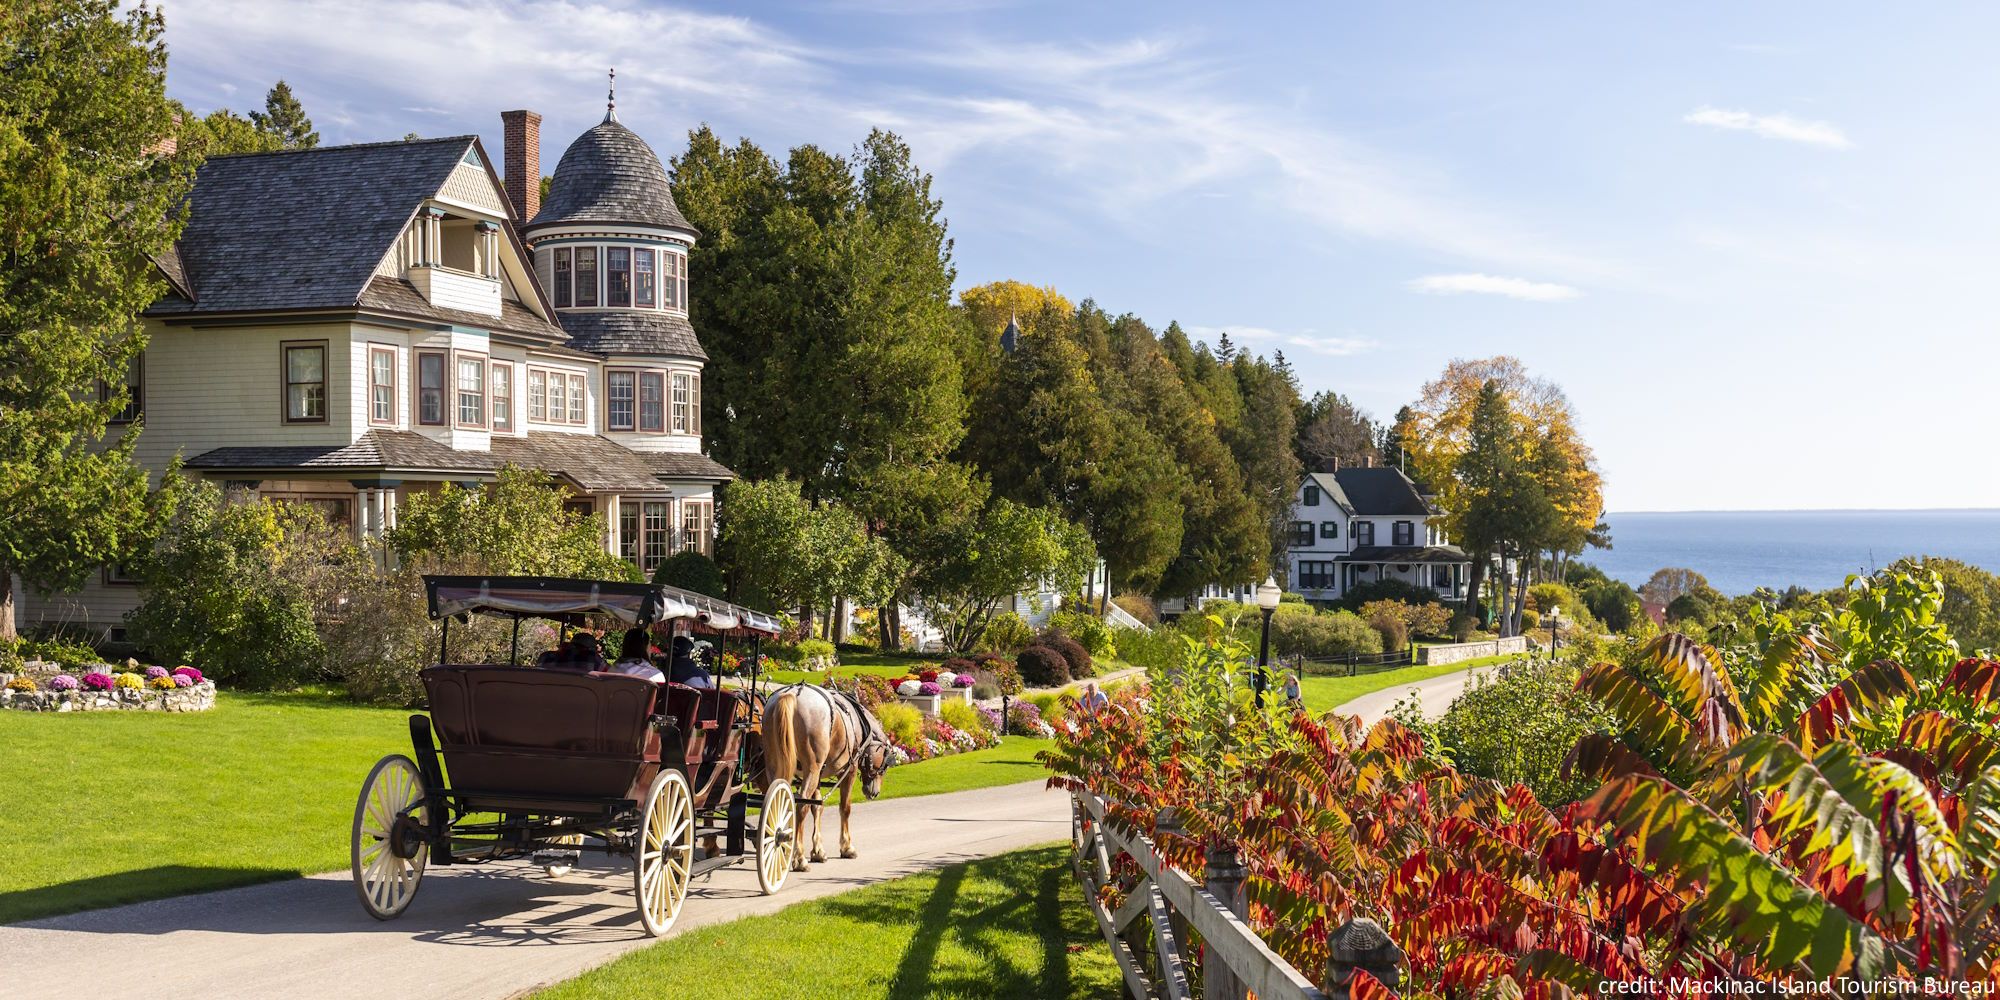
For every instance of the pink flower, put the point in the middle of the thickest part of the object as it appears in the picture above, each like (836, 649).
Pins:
(152, 672)
(188, 672)
(62, 682)
(183, 681)
(97, 681)
(928, 687)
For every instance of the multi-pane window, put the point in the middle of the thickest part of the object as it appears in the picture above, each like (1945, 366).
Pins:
(503, 396)
(644, 287)
(382, 385)
(670, 296)
(430, 387)
(694, 406)
(305, 383)
(1302, 533)
(652, 401)
(655, 521)
(1316, 575)
(619, 388)
(617, 276)
(696, 517)
(576, 397)
(472, 391)
(1364, 532)
(538, 394)
(681, 392)
(135, 384)
(680, 282)
(561, 290)
(1312, 496)
(628, 531)
(1404, 533)
(558, 398)
(586, 276)
(1329, 529)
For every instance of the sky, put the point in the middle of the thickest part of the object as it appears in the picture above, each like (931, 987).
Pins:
(1753, 242)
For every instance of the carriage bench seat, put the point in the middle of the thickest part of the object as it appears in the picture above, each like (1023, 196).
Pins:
(524, 731)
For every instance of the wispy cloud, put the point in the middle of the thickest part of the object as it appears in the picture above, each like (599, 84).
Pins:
(1307, 340)
(1492, 284)
(1783, 127)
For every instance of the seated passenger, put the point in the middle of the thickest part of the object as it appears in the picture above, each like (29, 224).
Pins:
(579, 655)
(685, 668)
(632, 658)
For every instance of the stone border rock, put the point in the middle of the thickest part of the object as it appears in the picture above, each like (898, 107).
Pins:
(196, 698)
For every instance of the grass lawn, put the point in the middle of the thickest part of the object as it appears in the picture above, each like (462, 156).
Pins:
(1008, 926)
(104, 808)
(1325, 693)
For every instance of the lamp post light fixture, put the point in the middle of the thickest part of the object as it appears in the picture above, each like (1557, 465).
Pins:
(1268, 596)
(1555, 637)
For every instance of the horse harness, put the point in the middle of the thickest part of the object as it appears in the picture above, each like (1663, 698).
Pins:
(853, 714)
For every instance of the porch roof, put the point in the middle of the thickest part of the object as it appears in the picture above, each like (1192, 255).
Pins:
(1406, 554)
(594, 463)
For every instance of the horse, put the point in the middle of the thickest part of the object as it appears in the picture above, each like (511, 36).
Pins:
(810, 734)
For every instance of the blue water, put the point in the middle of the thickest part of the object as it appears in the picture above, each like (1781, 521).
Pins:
(1740, 551)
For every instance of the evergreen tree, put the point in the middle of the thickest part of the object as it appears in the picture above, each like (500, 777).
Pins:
(1399, 440)
(284, 119)
(1260, 435)
(86, 205)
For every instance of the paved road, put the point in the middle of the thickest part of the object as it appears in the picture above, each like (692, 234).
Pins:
(1434, 694)
(477, 933)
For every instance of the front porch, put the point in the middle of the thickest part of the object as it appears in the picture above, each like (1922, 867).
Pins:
(1441, 569)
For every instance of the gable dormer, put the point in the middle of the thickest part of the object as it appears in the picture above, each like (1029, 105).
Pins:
(456, 249)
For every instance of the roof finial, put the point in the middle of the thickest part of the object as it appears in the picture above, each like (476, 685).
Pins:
(611, 97)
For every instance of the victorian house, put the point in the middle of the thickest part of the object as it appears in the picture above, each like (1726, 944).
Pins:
(351, 324)
(1359, 525)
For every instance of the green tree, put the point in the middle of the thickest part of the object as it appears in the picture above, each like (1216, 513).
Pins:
(1011, 548)
(690, 570)
(516, 526)
(1399, 439)
(1971, 601)
(1333, 432)
(1261, 438)
(85, 207)
(782, 550)
(284, 119)
(923, 513)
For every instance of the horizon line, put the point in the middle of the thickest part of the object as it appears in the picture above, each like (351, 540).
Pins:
(1815, 510)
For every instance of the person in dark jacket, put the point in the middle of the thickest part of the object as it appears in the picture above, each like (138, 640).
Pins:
(686, 669)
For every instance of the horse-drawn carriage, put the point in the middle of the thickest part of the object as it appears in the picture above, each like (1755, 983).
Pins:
(537, 763)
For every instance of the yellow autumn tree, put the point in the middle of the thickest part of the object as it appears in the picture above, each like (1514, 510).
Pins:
(990, 305)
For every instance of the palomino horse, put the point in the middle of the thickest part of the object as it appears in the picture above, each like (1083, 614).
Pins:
(810, 734)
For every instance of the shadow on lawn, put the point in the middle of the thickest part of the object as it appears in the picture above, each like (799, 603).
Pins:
(120, 888)
(1031, 900)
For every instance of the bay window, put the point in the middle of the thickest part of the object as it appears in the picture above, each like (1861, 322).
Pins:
(503, 396)
(430, 387)
(471, 391)
(305, 383)
(680, 402)
(381, 385)
(680, 282)
(617, 276)
(619, 388)
(652, 401)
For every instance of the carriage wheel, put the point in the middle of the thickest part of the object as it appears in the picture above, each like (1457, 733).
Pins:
(389, 851)
(776, 840)
(666, 851)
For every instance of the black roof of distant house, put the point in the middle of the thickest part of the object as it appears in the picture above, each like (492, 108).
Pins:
(610, 175)
(304, 229)
(1372, 490)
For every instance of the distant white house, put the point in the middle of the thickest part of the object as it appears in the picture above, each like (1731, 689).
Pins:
(1360, 525)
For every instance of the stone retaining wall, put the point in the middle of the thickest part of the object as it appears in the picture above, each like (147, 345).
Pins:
(197, 698)
(1458, 652)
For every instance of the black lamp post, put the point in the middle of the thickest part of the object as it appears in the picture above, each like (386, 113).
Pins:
(1268, 595)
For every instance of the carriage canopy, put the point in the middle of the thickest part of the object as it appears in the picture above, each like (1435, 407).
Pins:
(561, 599)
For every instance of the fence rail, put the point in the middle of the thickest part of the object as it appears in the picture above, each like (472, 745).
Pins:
(1353, 663)
(1151, 932)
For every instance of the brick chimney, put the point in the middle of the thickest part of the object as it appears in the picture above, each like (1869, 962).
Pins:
(523, 178)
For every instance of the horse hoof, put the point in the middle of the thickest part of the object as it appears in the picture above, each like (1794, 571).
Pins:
(850, 853)
(819, 857)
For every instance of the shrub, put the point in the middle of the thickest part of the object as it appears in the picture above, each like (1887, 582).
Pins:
(1000, 674)
(1614, 603)
(873, 689)
(1691, 608)
(959, 715)
(1462, 627)
(1395, 635)
(1051, 705)
(1154, 649)
(1041, 666)
(903, 723)
(1006, 633)
(1139, 606)
(1087, 629)
(1517, 723)
(984, 691)
(1336, 633)
(960, 665)
(690, 570)
(818, 650)
(1387, 590)
(56, 649)
(1073, 653)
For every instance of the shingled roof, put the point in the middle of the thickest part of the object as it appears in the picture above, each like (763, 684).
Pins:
(594, 463)
(303, 229)
(609, 174)
(632, 332)
(1380, 490)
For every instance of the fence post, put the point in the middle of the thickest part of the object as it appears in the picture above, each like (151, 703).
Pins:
(1361, 945)
(1223, 874)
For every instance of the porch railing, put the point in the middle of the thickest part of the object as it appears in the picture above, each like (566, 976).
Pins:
(1151, 931)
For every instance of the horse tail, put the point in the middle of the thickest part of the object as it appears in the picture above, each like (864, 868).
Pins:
(780, 753)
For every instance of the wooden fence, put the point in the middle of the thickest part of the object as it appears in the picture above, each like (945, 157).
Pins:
(1151, 932)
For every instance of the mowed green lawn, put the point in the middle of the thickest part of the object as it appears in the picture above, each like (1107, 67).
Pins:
(1006, 927)
(1323, 694)
(105, 808)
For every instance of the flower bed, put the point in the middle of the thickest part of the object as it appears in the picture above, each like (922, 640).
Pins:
(101, 687)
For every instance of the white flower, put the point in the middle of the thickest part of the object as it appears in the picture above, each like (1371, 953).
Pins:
(945, 678)
(908, 687)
